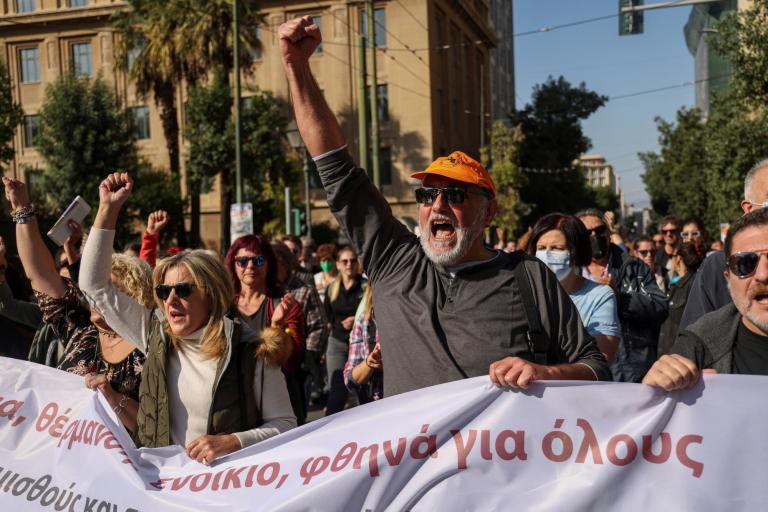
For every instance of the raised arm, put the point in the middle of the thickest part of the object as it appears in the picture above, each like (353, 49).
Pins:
(318, 126)
(37, 260)
(127, 317)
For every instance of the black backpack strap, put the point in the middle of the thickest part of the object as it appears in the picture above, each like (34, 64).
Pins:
(538, 341)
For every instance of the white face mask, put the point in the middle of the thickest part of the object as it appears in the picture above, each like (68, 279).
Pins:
(558, 262)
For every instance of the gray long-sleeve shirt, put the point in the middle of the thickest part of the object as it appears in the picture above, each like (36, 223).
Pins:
(423, 313)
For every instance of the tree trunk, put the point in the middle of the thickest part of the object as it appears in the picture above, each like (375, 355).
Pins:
(165, 98)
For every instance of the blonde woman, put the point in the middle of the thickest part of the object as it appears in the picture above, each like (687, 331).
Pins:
(209, 384)
(342, 298)
(90, 346)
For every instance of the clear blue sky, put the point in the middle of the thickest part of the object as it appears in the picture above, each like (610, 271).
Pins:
(611, 65)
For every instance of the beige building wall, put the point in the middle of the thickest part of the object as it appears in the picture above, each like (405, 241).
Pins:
(597, 171)
(435, 65)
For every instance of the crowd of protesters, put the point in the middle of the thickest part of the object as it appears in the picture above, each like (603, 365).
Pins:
(217, 352)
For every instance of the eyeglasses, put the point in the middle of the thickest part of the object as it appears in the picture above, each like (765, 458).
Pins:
(744, 264)
(242, 261)
(348, 262)
(669, 231)
(644, 252)
(183, 290)
(759, 205)
(452, 195)
(658, 241)
(690, 234)
(598, 231)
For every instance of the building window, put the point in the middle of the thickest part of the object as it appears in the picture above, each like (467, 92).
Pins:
(318, 20)
(25, 6)
(140, 117)
(255, 51)
(29, 59)
(380, 27)
(382, 94)
(78, 3)
(31, 130)
(81, 59)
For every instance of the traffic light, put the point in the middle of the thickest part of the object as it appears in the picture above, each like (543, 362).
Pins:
(630, 22)
(298, 221)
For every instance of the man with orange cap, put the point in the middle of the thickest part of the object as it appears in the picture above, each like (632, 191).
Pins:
(447, 307)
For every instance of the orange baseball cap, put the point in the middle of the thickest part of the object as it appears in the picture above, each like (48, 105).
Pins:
(460, 167)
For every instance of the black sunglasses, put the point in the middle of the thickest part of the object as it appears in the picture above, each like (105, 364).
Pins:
(744, 264)
(644, 252)
(452, 195)
(669, 231)
(598, 231)
(242, 261)
(183, 290)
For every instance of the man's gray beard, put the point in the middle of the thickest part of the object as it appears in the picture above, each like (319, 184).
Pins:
(464, 236)
(747, 313)
(763, 326)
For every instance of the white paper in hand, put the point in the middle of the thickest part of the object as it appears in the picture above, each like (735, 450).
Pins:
(76, 211)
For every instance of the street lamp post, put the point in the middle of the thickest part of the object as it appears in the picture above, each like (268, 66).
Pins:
(294, 139)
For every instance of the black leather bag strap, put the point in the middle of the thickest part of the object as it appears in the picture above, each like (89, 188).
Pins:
(538, 341)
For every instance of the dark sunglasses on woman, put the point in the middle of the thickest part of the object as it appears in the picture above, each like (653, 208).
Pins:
(183, 290)
(258, 261)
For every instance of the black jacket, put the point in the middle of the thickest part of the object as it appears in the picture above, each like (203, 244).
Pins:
(709, 291)
(678, 297)
(642, 309)
(709, 341)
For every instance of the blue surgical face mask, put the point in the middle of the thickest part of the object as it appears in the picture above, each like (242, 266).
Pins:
(558, 262)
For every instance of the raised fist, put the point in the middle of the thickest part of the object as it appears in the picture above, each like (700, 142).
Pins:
(16, 193)
(157, 221)
(115, 189)
(299, 38)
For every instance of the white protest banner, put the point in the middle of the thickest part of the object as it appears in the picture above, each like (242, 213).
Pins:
(465, 445)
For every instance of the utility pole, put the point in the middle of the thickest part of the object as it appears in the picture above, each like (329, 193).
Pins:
(374, 95)
(236, 51)
(362, 107)
(288, 230)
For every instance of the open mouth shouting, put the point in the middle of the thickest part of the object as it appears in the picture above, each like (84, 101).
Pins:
(442, 230)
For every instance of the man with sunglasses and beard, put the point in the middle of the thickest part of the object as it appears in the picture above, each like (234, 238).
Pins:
(642, 305)
(733, 339)
(447, 306)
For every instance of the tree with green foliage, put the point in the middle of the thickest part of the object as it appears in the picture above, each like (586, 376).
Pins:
(182, 40)
(700, 169)
(266, 168)
(741, 38)
(735, 138)
(669, 175)
(501, 158)
(606, 199)
(83, 137)
(11, 115)
(210, 135)
(553, 140)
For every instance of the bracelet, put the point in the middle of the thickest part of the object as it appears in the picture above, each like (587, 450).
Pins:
(23, 214)
(120, 406)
